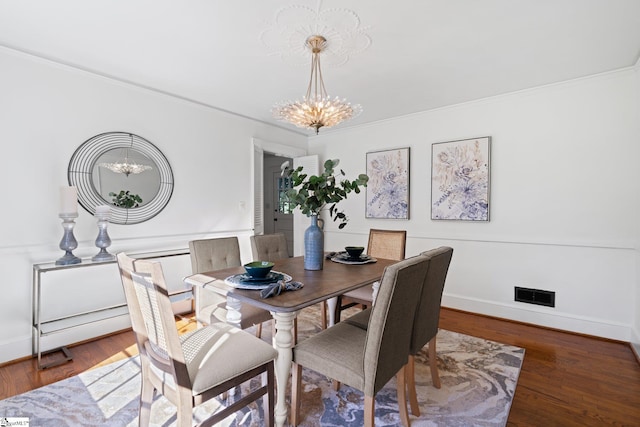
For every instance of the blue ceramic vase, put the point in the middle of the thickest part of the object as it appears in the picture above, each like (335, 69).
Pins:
(313, 245)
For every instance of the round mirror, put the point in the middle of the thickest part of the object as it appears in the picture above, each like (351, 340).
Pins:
(124, 171)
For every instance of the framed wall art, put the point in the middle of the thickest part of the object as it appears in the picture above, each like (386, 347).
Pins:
(460, 179)
(388, 186)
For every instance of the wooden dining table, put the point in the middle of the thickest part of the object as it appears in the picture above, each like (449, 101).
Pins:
(319, 285)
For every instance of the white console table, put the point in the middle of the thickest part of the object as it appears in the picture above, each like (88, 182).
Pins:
(43, 327)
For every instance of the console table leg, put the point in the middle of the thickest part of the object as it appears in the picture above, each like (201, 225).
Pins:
(68, 357)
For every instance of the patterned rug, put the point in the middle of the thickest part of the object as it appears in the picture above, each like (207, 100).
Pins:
(478, 382)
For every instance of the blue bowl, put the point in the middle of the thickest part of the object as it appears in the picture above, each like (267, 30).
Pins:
(354, 251)
(258, 269)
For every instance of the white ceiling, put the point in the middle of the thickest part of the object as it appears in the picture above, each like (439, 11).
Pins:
(392, 57)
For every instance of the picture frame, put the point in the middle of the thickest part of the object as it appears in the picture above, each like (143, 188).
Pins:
(460, 179)
(387, 195)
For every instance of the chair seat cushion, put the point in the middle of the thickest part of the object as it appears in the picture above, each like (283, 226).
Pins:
(364, 293)
(336, 352)
(219, 352)
(360, 319)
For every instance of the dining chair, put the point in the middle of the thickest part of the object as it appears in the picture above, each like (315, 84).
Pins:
(425, 326)
(366, 359)
(194, 367)
(216, 254)
(389, 244)
(427, 318)
(272, 247)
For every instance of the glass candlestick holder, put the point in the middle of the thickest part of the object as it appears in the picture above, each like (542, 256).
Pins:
(68, 242)
(103, 241)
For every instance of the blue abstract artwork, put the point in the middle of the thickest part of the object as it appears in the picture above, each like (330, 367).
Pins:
(388, 186)
(460, 180)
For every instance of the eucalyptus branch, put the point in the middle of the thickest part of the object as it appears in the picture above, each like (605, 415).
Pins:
(313, 193)
(125, 200)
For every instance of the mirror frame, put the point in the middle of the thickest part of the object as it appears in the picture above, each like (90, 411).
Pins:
(84, 159)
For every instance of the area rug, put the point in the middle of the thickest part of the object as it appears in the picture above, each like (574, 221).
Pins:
(478, 383)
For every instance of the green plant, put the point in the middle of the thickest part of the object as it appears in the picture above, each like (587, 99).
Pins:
(125, 200)
(313, 193)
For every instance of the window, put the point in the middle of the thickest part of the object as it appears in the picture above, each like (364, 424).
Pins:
(284, 184)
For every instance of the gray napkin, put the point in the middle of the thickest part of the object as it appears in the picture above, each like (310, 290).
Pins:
(280, 286)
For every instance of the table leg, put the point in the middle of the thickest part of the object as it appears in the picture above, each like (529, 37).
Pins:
(283, 343)
(331, 306)
(374, 294)
(234, 316)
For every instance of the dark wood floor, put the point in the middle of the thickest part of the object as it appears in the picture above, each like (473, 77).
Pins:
(566, 379)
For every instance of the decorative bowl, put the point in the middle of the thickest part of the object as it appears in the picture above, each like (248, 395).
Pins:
(354, 251)
(258, 269)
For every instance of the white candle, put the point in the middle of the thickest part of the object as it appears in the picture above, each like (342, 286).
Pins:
(103, 210)
(68, 200)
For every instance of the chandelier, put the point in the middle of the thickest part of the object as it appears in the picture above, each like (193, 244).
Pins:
(125, 165)
(316, 109)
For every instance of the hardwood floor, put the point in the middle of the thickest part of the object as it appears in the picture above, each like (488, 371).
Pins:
(566, 379)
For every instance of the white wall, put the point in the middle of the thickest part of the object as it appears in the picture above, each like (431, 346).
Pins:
(563, 200)
(635, 335)
(47, 111)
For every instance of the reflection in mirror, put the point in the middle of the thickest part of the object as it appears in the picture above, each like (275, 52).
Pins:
(126, 170)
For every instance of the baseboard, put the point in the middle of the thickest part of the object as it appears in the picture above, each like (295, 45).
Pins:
(22, 347)
(636, 351)
(18, 349)
(635, 344)
(541, 316)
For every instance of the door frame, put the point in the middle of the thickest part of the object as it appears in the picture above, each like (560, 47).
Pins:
(258, 148)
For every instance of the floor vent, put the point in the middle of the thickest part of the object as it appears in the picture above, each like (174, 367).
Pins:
(535, 296)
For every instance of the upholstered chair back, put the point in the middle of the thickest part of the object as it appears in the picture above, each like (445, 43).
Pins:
(214, 254)
(269, 247)
(427, 317)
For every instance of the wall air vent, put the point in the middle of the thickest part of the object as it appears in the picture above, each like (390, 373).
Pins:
(535, 296)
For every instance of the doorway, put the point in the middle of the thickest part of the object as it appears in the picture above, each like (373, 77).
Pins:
(261, 150)
(278, 213)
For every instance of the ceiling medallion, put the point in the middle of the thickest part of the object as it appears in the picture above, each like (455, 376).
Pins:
(286, 35)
